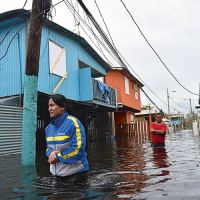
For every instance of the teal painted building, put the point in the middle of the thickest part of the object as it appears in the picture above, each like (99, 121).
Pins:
(68, 65)
(82, 62)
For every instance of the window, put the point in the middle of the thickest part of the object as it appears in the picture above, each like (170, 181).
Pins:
(126, 85)
(136, 91)
(57, 59)
(132, 118)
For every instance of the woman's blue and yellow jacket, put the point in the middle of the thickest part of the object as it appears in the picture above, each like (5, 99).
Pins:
(66, 134)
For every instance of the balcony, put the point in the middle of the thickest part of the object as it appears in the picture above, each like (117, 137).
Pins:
(104, 95)
(95, 92)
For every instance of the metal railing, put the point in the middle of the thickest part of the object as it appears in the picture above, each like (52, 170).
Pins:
(104, 97)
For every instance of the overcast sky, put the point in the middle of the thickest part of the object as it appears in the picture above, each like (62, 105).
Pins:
(173, 29)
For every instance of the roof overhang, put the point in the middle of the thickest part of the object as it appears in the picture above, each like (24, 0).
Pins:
(121, 108)
(127, 73)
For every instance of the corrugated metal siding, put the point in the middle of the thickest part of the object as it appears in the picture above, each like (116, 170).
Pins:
(74, 54)
(10, 129)
(85, 84)
(11, 66)
(46, 81)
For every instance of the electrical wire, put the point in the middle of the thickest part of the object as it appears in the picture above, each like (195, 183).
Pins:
(96, 37)
(101, 32)
(107, 29)
(126, 61)
(11, 43)
(178, 103)
(104, 46)
(150, 99)
(122, 56)
(23, 27)
(78, 21)
(184, 98)
(155, 51)
(74, 12)
(128, 64)
(12, 25)
(104, 23)
(97, 47)
(89, 28)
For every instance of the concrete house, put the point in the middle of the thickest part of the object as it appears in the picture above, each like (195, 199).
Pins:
(128, 96)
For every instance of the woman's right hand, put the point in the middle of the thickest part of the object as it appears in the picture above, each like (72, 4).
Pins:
(52, 158)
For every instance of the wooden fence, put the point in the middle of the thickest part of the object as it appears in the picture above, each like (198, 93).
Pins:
(138, 130)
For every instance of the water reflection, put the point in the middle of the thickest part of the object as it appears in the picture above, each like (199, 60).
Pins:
(129, 155)
(160, 156)
(61, 188)
(120, 169)
(160, 161)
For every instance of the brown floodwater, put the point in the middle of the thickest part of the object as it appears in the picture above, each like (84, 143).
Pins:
(124, 168)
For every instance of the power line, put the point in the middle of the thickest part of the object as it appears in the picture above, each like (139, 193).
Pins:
(104, 23)
(101, 50)
(129, 65)
(124, 58)
(178, 103)
(89, 28)
(155, 51)
(12, 25)
(126, 61)
(119, 52)
(108, 31)
(101, 32)
(24, 26)
(116, 49)
(184, 98)
(11, 43)
(96, 37)
(150, 99)
(73, 11)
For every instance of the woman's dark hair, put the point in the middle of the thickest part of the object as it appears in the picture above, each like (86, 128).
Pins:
(59, 100)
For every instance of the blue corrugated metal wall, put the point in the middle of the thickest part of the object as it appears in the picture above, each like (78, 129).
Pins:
(74, 54)
(12, 65)
(86, 84)
(10, 73)
(48, 82)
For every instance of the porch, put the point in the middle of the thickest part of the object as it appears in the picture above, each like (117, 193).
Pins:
(104, 95)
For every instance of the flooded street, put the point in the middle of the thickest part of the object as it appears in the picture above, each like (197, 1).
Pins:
(120, 169)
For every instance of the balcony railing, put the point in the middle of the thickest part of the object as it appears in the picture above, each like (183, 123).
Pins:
(104, 94)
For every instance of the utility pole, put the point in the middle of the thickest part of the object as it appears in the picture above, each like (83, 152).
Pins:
(168, 102)
(198, 99)
(190, 106)
(38, 13)
(199, 95)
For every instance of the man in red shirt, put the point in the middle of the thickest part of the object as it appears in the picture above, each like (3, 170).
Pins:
(158, 132)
